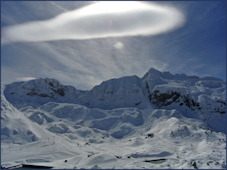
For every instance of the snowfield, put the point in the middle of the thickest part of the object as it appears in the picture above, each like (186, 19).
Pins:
(159, 121)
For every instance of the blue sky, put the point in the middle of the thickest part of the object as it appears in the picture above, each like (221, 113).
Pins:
(196, 46)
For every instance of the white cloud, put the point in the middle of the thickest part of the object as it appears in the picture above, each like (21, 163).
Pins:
(25, 78)
(99, 20)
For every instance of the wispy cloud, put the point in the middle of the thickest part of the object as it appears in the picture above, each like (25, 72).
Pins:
(58, 6)
(86, 63)
(99, 20)
(83, 64)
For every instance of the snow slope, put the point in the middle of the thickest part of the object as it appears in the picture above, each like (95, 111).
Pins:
(157, 121)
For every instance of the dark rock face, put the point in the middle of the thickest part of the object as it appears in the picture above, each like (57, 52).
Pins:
(36, 92)
(61, 91)
(165, 99)
(220, 106)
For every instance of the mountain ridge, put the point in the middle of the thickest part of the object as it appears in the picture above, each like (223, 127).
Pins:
(152, 78)
(154, 90)
(130, 120)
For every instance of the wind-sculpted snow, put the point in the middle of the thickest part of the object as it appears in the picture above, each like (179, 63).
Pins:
(130, 147)
(40, 118)
(108, 120)
(159, 121)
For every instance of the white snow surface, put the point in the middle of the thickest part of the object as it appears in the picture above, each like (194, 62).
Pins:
(159, 121)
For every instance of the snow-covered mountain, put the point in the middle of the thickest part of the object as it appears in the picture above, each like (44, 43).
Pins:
(116, 93)
(40, 91)
(158, 121)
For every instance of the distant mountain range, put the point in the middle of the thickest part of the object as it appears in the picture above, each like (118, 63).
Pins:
(173, 110)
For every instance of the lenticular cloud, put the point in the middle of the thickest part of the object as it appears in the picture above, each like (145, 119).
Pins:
(99, 20)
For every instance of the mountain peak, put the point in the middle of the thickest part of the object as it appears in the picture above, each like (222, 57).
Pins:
(154, 71)
(45, 81)
(40, 91)
(156, 74)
